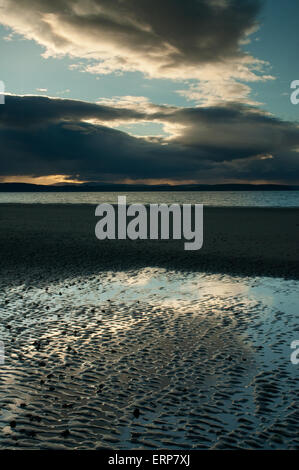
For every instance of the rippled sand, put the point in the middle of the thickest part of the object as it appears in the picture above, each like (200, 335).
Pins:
(148, 358)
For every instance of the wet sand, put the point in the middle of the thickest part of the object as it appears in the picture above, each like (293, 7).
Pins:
(132, 345)
(242, 241)
(149, 359)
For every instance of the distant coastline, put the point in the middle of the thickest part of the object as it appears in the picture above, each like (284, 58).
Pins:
(89, 187)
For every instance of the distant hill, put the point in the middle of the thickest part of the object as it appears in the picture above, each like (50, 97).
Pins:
(88, 187)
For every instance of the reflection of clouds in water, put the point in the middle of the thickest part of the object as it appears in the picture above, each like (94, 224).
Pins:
(150, 281)
(177, 289)
(159, 286)
(165, 341)
(212, 285)
(141, 277)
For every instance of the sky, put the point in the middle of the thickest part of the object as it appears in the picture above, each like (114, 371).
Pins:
(144, 91)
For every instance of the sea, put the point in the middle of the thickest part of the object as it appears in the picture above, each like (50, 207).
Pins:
(207, 198)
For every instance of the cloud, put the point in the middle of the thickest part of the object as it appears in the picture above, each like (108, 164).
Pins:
(232, 131)
(42, 136)
(213, 92)
(197, 39)
(38, 111)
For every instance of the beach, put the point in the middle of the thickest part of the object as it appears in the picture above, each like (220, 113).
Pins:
(142, 345)
(242, 241)
(149, 227)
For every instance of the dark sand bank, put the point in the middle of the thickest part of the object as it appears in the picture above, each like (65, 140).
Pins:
(249, 241)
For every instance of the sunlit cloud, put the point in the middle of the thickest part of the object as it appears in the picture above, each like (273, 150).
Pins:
(42, 180)
(203, 40)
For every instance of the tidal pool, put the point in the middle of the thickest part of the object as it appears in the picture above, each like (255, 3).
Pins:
(205, 359)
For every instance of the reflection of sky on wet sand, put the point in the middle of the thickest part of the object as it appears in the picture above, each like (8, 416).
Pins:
(147, 335)
(170, 288)
(163, 287)
(210, 295)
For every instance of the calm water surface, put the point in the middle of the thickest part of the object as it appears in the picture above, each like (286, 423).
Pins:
(208, 198)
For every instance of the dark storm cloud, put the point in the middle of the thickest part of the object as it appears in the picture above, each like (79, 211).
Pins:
(42, 136)
(196, 31)
(233, 131)
(39, 111)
